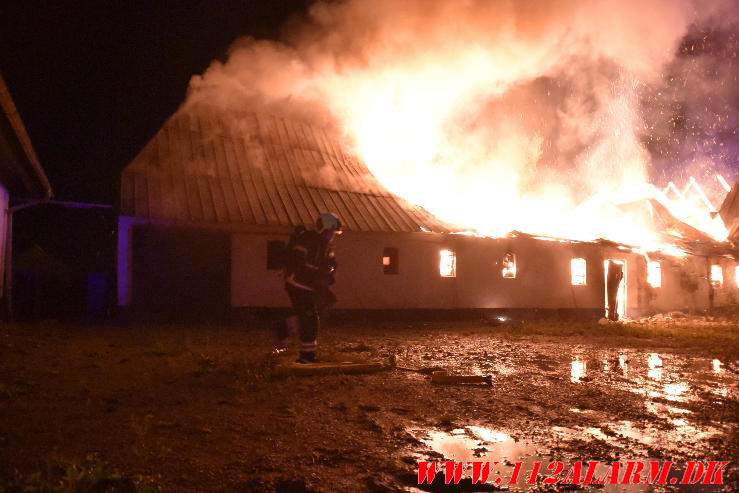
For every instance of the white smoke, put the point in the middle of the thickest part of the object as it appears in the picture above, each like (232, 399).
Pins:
(525, 108)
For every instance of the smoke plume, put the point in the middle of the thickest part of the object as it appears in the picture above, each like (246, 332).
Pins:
(494, 114)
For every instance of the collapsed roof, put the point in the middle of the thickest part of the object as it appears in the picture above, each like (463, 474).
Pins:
(683, 235)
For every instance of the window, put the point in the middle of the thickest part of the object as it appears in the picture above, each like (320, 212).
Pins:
(736, 275)
(654, 274)
(447, 263)
(717, 275)
(577, 270)
(275, 254)
(390, 261)
(509, 266)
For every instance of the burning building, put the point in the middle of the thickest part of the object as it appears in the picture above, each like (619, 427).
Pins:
(207, 204)
(437, 137)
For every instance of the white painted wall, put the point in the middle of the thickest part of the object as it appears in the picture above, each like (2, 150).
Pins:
(728, 292)
(251, 283)
(543, 278)
(542, 281)
(675, 294)
(361, 283)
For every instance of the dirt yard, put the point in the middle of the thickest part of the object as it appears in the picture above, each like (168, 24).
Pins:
(195, 409)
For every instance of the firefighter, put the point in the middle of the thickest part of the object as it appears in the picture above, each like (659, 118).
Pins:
(310, 265)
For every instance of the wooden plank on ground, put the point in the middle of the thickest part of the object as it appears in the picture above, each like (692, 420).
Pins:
(286, 369)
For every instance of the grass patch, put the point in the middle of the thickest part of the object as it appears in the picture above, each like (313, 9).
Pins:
(89, 475)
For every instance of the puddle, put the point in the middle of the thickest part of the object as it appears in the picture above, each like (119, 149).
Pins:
(659, 379)
(607, 401)
(477, 443)
(639, 439)
(665, 410)
(623, 363)
(655, 367)
(578, 370)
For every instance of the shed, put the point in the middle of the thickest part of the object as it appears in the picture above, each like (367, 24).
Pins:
(21, 175)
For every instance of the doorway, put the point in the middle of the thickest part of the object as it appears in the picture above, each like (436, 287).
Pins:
(615, 288)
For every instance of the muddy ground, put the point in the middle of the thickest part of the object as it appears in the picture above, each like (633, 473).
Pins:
(195, 408)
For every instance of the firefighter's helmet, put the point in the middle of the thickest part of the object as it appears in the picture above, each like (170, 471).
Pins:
(328, 220)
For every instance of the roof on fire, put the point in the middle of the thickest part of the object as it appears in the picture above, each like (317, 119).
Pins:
(208, 166)
(729, 212)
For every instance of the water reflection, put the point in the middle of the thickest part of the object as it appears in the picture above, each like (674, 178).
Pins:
(655, 366)
(489, 435)
(577, 370)
(625, 429)
(641, 438)
(674, 390)
(623, 363)
(661, 409)
(476, 443)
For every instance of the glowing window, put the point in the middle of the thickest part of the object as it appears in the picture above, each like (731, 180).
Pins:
(736, 275)
(390, 260)
(654, 274)
(717, 275)
(577, 269)
(509, 266)
(447, 263)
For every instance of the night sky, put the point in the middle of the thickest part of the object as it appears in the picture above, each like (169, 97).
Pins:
(94, 81)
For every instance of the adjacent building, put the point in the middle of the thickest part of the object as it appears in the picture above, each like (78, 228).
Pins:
(21, 178)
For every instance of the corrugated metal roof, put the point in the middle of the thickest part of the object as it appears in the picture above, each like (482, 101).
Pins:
(209, 166)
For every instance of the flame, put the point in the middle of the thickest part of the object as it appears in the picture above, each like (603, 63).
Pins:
(654, 274)
(425, 131)
(578, 272)
(447, 263)
(493, 115)
(717, 275)
(509, 266)
(422, 140)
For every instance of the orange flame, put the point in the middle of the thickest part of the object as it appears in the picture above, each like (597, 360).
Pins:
(457, 107)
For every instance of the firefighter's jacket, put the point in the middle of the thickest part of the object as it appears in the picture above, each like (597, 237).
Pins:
(310, 261)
